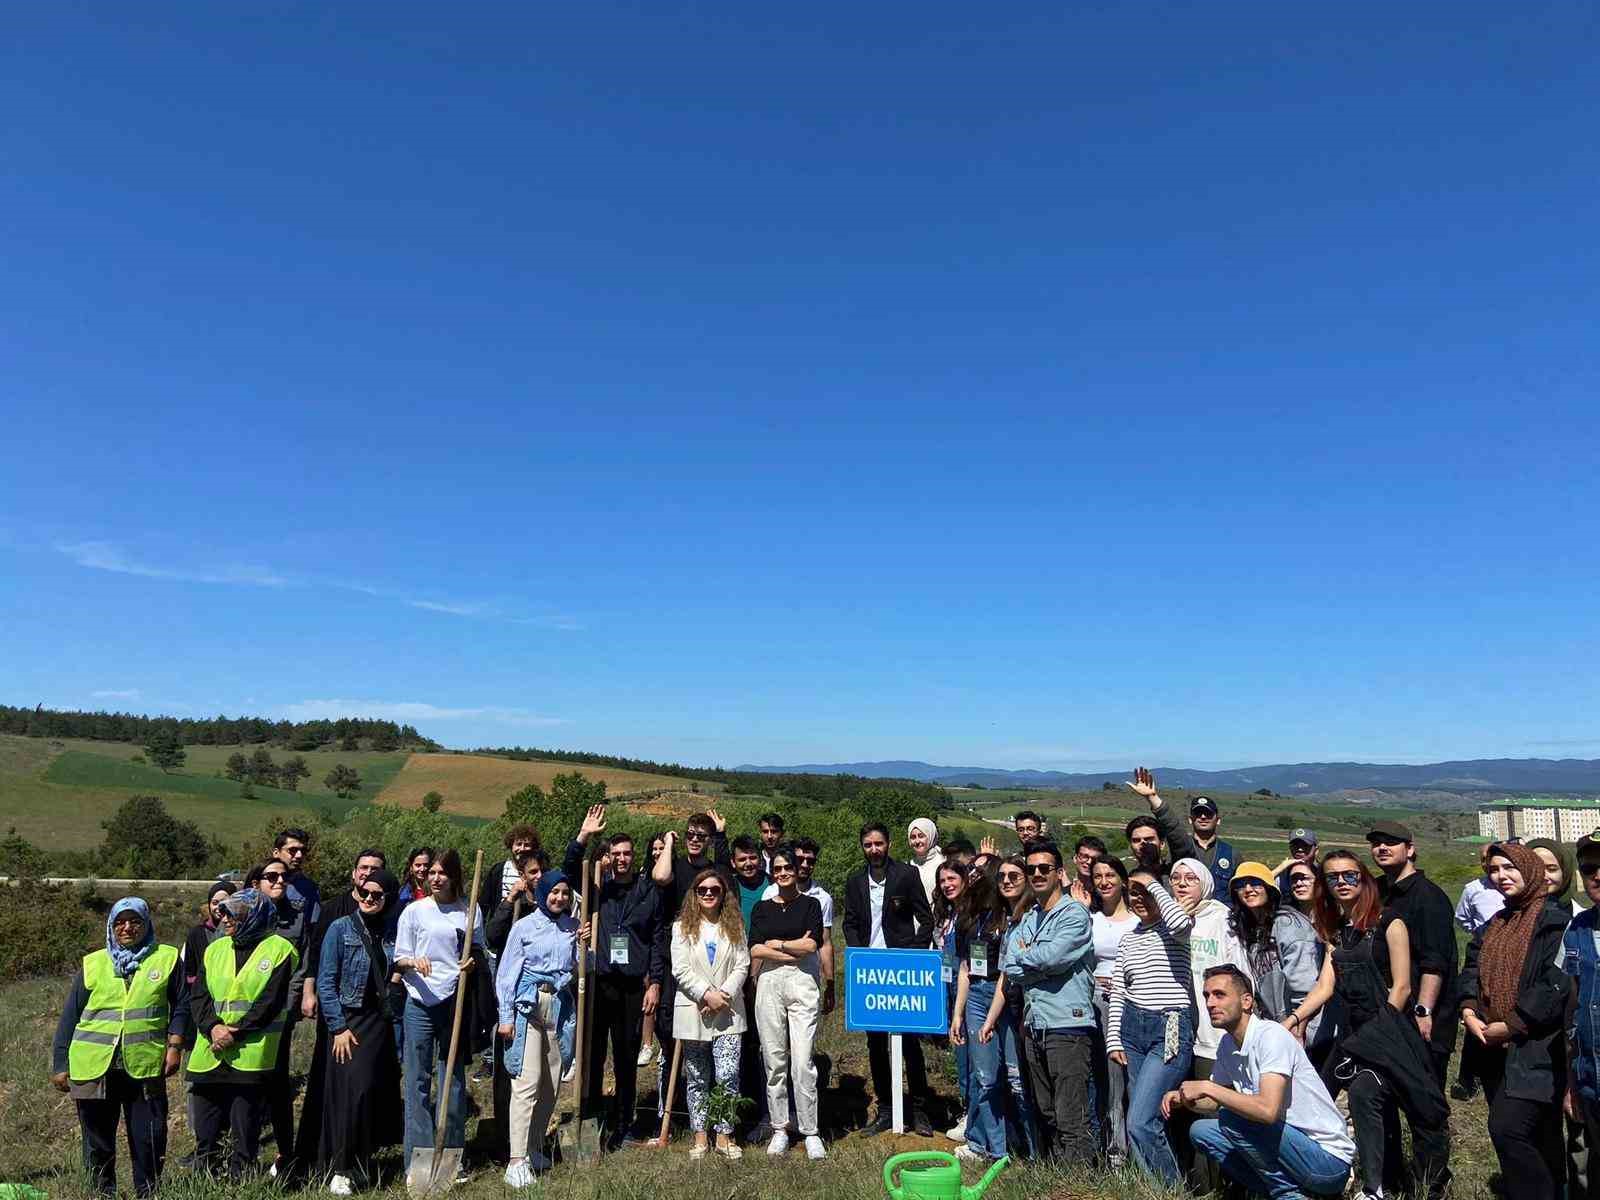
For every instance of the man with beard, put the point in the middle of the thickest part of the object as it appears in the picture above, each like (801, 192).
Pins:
(885, 906)
(1430, 924)
(1199, 841)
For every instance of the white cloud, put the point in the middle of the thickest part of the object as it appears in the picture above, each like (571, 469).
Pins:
(116, 694)
(455, 610)
(105, 556)
(556, 621)
(410, 712)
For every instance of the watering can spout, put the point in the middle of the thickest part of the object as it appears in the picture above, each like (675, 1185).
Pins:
(973, 1193)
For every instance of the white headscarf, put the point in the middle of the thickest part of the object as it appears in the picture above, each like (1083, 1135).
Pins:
(1208, 882)
(928, 864)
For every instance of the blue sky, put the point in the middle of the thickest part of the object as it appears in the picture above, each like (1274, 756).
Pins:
(1008, 387)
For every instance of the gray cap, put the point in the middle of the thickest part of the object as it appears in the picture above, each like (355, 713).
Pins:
(1303, 835)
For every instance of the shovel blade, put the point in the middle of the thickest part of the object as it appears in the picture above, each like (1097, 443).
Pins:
(580, 1141)
(432, 1172)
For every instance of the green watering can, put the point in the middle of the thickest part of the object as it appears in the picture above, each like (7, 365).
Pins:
(939, 1180)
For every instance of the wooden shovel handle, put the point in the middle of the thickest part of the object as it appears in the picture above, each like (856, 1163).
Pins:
(443, 1102)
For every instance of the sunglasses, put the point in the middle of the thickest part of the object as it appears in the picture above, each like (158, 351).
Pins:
(1253, 884)
(1346, 878)
(292, 850)
(695, 835)
(708, 891)
(1042, 868)
(273, 876)
(1011, 877)
(1298, 880)
(782, 869)
(1589, 868)
(369, 896)
(806, 860)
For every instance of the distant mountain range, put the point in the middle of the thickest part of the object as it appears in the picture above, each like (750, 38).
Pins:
(1516, 775)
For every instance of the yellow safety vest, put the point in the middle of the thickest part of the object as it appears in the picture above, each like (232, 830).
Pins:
(234, 995)
(133, 1012)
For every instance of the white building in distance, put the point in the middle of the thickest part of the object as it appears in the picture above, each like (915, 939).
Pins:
(1538, 816)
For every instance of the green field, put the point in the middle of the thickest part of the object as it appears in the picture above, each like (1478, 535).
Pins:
(56, 792)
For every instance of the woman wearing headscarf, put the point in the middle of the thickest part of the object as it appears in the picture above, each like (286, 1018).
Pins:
(239, 1004)
(1560, 871)
(922, 836)
(538, 1018)
(1513, 1001)
(120, 1035)
(201, 934)
(361, 1109)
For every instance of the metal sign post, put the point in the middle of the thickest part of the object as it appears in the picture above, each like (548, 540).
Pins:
(895, 992)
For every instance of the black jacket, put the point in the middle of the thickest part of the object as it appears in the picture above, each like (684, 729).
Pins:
(1536, 1059)
(632, 910)
(1430, 919)
(1391, 1044)
(907, 919)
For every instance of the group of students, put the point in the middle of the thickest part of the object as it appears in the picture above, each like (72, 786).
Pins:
(1185, 1012)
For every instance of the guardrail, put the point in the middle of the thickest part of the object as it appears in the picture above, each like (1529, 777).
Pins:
(125, 887)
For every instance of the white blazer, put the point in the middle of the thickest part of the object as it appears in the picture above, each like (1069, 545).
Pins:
(696, 975)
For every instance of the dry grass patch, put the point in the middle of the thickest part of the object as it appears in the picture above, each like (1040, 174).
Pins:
(477, 786)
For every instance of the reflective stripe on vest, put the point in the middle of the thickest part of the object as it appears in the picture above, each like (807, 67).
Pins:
(133, 1012)
(234, 995)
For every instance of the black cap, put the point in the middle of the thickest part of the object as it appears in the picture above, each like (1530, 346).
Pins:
(1389, 829)
(1589, 845)
(1202, 804)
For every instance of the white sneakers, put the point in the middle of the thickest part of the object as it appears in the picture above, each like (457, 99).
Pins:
(339, 1185)
(646, 1053)
(968, 1154)
(959, 1132)
(814, 1147)
(518, 1175)
(779, 1143)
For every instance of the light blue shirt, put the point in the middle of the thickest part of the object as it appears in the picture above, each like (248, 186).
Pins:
(537, 942)
(1055, 969)
(1480, 900)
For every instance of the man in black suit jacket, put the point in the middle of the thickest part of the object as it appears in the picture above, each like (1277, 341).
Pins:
(886, 907)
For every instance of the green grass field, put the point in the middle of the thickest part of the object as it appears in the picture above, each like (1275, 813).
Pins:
(56, 793)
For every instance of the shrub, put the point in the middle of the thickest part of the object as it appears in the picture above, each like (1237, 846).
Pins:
(21, 858)
(44, 929)
(145, 841)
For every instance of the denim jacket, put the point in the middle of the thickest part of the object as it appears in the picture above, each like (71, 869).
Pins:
(343, 973)
(1050, 957)
(1580, 958)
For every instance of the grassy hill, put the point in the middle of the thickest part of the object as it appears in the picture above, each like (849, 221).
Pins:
(56, 791)
(477, 786)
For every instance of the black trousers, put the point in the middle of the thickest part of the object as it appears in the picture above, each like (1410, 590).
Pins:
(916, 1071)
(228, 1108)
(280, 1099)
(1375, 1112)
(617, 1018)
(144, 1113)
(1061, 1075)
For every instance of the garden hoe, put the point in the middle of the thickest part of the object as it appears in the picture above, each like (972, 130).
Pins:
(433, 1168)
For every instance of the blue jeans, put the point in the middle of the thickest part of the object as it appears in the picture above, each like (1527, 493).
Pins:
(1149, 1079)
(994, 1078)
(427, 1044)
(1272, 1160)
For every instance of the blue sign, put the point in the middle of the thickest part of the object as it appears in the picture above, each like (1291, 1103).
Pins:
(893, 991)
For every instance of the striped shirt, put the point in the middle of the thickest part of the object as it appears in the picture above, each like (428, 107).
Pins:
(1152, 969)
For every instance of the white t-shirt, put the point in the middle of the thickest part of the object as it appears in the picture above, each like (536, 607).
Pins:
(817, 892)
(1270, 1049)
(427, 931)
(875, 889)
(1108, 935)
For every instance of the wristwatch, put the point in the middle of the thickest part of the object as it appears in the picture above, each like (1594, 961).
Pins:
(1422, 1010)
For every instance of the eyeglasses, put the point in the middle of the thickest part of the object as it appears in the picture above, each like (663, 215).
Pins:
(1346, 878)
(1042, 868)
(708, 892)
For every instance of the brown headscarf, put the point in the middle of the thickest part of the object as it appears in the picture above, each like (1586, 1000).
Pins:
(1507, 937)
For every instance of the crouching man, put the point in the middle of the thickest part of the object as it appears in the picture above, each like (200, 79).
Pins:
(1270, 1123)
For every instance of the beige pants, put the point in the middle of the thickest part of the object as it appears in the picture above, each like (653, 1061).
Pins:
(788, 1005)
(533, 1093)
